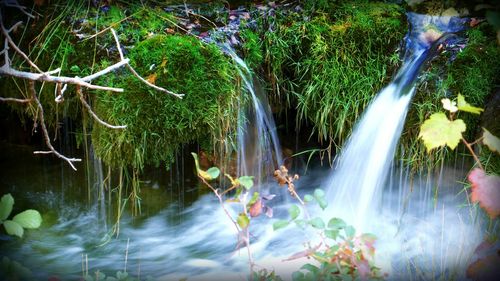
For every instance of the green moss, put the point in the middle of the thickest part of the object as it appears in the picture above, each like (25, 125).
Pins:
(159, 124)
(332, 64)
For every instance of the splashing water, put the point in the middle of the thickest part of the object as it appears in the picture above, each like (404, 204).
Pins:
(355, 187)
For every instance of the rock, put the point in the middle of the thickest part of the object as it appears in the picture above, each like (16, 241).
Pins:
(490, 118)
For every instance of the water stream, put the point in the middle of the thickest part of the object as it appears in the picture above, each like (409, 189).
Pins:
(182, 234)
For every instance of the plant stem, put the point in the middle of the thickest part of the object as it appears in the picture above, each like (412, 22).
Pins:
(472, 153)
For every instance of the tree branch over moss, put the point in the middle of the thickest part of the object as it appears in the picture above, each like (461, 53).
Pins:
(61, 81)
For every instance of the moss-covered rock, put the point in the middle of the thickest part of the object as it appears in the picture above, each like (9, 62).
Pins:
(158, 123)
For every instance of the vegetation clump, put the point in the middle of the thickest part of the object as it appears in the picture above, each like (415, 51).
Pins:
(157, 124)
(331, 64)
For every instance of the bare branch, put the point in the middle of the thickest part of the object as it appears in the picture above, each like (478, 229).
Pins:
(7, 70)
(105, 71)
(137, 74)
(5, 32)
(46, 133)
(89, 109)
(15, 100)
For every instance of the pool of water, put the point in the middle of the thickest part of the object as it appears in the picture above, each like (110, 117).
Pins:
(182, 232)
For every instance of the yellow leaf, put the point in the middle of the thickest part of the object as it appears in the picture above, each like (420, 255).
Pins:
(439, 131)
(491, 141)
(465, 106)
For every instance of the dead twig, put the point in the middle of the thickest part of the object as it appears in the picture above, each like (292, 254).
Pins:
(45, 133)
(89, 109)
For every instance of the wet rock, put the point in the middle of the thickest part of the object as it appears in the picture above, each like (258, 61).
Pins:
(490, 118)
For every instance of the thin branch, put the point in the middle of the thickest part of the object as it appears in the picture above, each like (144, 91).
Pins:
(8, 71)
(46, 133)
(473, 154)
(5, 32)
(106, 70)
(89, 109)
(137, 74)
(15, 100)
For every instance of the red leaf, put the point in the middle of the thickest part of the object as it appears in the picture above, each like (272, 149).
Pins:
(485, 191)
(256, 209)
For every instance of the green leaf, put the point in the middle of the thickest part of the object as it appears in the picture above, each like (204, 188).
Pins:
(294, 212)
(308, 198)
(439, 131)
(243, 220)
(13, 228)
(465, 106)
(254, 199)
(336, 223)
(310, 267)
(332, 234)
(121, 275)
(28, 219)
(214, 172)
(246, 181)
(301, 223)
(319, 193)
(298, 276)
(491, 141)
(6, 204)
(349, 231)
(317, 223)
(75, 68)
(280, 224)
(323, 203)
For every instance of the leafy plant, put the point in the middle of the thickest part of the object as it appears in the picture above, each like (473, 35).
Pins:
(29, 219)
(440, 130)
(250, 207)
(341, 254)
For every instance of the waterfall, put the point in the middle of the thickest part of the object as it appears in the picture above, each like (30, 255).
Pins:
(259, 150)
(355, 186)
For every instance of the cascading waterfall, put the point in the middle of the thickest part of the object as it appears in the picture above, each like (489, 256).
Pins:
(259, 150)
(355, 187)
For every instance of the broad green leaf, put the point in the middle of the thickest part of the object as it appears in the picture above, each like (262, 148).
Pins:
(439, 131)
(28, 219)
(462, 105)
(491, 141)
(214, 172)
(13, 228)
(349, 231)
(75, 68)
(317, 223)
(246, 181)
(243, 221)
(308, 198)
(6, 204)
(336, 223)
(332, 234)
(294, 212)
(280, 224)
